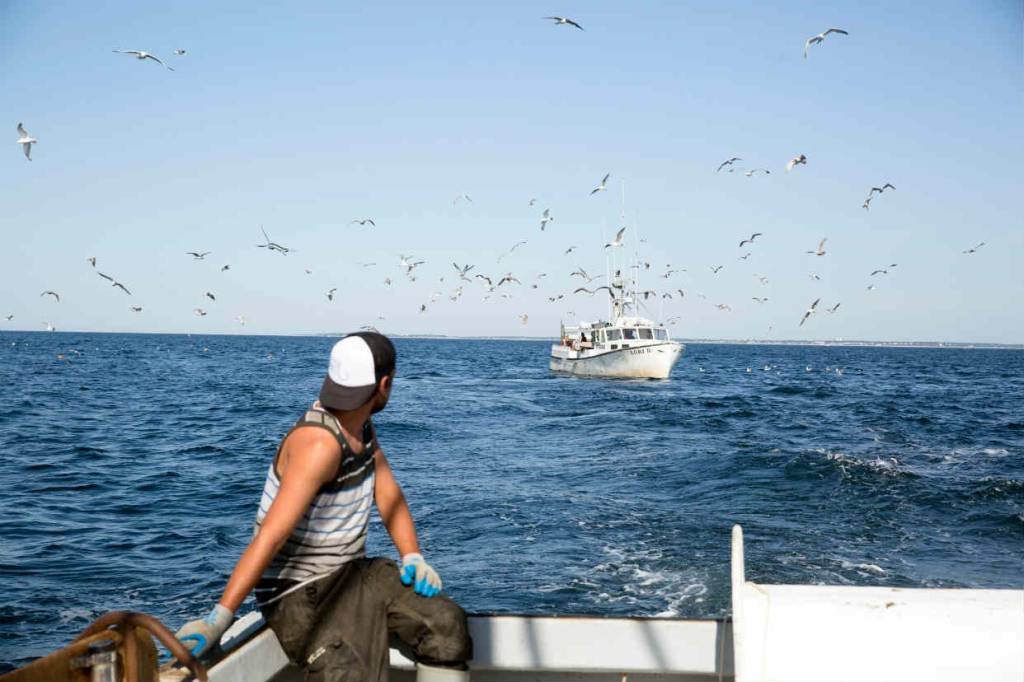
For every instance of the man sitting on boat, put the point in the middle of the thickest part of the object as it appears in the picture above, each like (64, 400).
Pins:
(331, 607)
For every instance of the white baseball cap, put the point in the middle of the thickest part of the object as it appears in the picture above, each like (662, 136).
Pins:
(351, 374)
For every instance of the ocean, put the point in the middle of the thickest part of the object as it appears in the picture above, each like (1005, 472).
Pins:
(133, 465)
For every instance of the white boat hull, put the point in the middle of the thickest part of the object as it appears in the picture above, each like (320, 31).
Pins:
(652, 361)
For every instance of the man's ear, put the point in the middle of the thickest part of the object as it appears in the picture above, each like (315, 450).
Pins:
(385, 384)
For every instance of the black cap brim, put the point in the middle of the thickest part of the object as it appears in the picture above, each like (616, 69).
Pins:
(334, 396)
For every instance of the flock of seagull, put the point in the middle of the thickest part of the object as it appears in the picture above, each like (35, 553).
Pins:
(492, 284)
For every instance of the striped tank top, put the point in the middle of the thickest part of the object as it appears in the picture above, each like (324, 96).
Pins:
(332, 532)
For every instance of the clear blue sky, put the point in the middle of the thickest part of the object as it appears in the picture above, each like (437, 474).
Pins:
(302, 117)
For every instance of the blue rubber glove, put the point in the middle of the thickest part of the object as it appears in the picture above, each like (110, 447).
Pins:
(199, 636)
(417, 571)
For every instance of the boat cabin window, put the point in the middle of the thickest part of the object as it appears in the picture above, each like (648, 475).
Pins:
(614, 334)
(600, 335)
(661, 334)
(645, 333)
(629, 334)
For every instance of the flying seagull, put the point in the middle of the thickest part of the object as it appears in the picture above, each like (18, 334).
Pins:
(272, 246)
(810, 311)
(728, 162)
(833, 308)
(796, 161)
(975, 249)
(9, 317)
(461, 197)
(136, 308)
(508, 278)
(26, 141)
(225, 268)
(463, 271)
(92, 260)
(210, 296)
(820, 38)
(198, 255)
(723, 306)
(881, 189)
(330, 293)
(545, 219)
(716, 268)
(821, 248)
(200, 312)
(594, 291)
(364, 222)
(751, 239)
(617, 242)
(524, 318)
(601, 187)
(569, 250)
(759, 300)
(179, 53)
(559, 21)
(142, 54)
(757, 170)
(51, 293)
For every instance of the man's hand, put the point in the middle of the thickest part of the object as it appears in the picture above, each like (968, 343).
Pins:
(199, 636)
(416, 570)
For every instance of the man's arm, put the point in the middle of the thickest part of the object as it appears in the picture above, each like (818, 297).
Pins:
(394, 511)
(309, 459)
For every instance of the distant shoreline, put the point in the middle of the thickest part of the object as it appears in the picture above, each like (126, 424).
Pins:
(734, 342)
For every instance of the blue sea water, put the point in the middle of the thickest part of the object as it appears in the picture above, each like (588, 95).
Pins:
(131, 471)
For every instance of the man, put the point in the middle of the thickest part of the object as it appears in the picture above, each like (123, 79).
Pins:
(332, 608)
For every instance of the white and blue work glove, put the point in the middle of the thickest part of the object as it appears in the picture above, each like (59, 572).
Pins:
(416, 571)
(199, 636)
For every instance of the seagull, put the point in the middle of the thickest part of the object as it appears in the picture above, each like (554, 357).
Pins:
(136, 308)
(975, 249)
(673, 320)
(821, 248)
(601, 187)
(367, 265)
(241, 320)
(26, 141)
(810, 311)
(815, 276)
(617, 242)
(9, 317)
(716, 268)
(121, 287)
(751, 239)
(50, 327)
(272, 246)
(545, 219)
(200, 312)
(210, 296)
(461, 196)
(92, 260)
(330, 293)
(485, 278)
(594, 291)
(762, 279)
(179, 53)
(51, 293)
(760, 300)
(569, 250)
(833, 308)
(879, 271)
(552, 299)
(463, 270)
(867, 204)
(728, 162)
(559, 21)
(757, 170)
(723, 306)
(364, 222)
(225, 268)
(532, 202)
(666, 295)
(744, 256)
(681, 293)
(880, 189)
(508, 278)
(796, 161)
(583, 273)
(387, 281)
(198, 256)
(308, 271)
(142, 54)
(423, 307)
(821, 38)
(871, 287)
(524, 318)
(514, 247)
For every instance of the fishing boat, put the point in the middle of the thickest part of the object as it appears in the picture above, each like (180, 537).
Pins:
(819, 633)
(627, 346)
